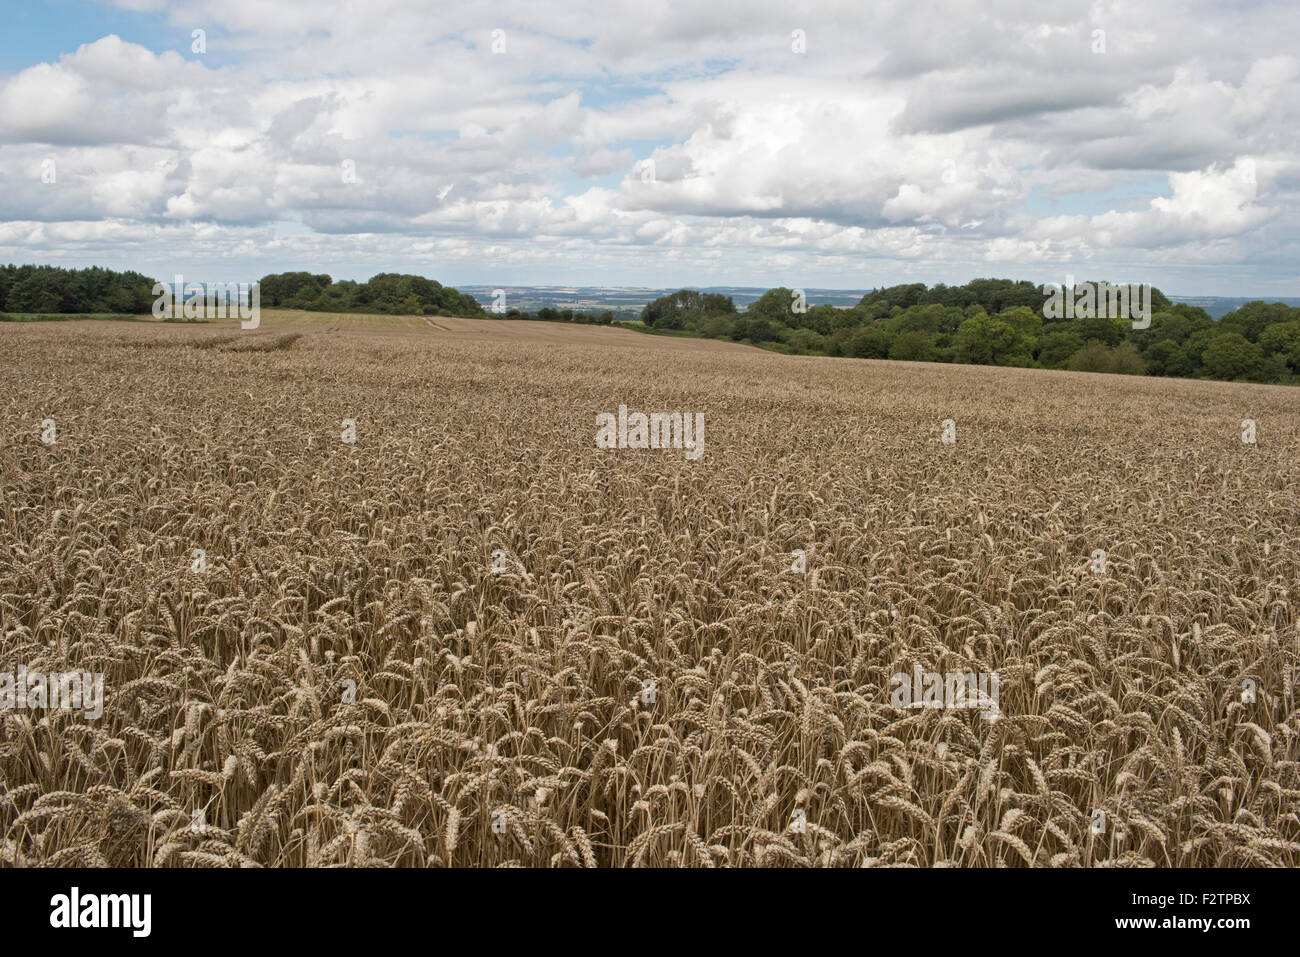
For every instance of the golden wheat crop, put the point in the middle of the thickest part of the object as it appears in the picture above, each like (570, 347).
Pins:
(472, 638)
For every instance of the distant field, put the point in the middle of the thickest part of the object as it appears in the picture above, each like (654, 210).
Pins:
(628, 302)
(472, 637)
(497, 330)
(68, 317)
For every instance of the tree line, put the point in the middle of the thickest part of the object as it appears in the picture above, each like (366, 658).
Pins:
(41, 290)
(547, 314)
(387, 293)
(53, 290)
(396, 294)
(1000, 322)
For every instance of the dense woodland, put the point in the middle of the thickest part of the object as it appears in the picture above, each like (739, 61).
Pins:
(52, 290)
(396, 294)
(387, 293)
(1001, 322)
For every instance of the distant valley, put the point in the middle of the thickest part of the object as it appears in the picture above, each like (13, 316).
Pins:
(626, 301)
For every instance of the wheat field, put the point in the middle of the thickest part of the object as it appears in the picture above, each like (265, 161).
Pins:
(473, 638)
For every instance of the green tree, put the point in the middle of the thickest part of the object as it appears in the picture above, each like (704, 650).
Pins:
(676, 310)
(1282, 339)
(1099, 328)
(1126, 360)
(1055, 349)
(994, 340)
(1230, 355)
(716, 327)
(1096, 356)
(38, 291)
(1253, 318)
(778, 305)
(824, 319)
(914, 346)
(806, 341)
(1024, 320)
(1177, 323)
(392, 293)
(1093, 357)
(1166, 358)
(868, 342)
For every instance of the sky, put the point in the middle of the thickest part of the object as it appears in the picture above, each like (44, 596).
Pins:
(728, 142)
